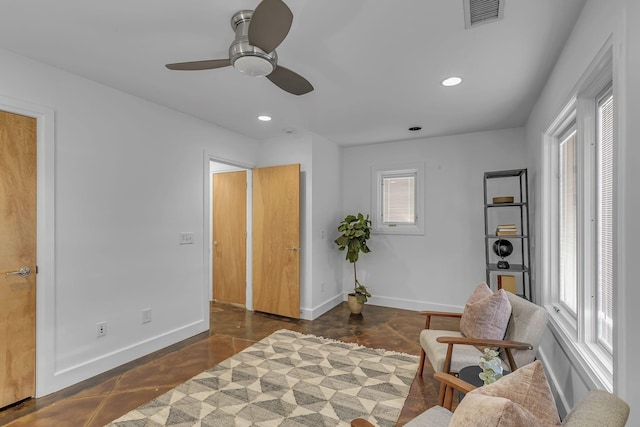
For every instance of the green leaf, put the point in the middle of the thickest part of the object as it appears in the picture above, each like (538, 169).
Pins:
(356, 230)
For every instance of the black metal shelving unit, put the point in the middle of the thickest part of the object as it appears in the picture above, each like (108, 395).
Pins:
(514, 183)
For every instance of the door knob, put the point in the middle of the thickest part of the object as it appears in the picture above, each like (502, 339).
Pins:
(23, 272)
(215, 243)
(293, 249)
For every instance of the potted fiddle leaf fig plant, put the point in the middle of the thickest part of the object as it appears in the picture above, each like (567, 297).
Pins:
(356, 230)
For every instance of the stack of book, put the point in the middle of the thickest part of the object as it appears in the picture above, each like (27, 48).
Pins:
(508, 283)
(506, 230)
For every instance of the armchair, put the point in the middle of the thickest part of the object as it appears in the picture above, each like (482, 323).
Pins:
(450, 351)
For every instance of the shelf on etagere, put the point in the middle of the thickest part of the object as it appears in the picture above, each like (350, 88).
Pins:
(505, 174)
(506, 205)
(516, 268)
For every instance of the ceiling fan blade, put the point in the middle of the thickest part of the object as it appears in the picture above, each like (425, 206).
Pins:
(270, 24)
(289, 81)
(209, 64)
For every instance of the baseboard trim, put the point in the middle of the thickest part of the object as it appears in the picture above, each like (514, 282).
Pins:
(413, 305)
(71, 375)
(314, 313)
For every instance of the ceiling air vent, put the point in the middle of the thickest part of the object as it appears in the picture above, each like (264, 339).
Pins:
(478, 12)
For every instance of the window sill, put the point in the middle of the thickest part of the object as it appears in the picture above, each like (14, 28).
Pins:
(592, 369)
(400, 230)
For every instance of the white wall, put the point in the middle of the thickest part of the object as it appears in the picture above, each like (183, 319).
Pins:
(598, 22)
(326, 214)
(627, 342)
(128, 178)
(439, 269)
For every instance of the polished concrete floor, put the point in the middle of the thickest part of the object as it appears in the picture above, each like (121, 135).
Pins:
(102, 399)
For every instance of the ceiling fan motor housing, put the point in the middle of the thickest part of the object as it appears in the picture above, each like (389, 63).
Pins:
(244, 57)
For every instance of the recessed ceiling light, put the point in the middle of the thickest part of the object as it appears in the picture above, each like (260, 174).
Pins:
(264, 118)
(451, 81)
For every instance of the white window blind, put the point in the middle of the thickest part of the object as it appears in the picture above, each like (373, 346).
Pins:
(604, 325)
(568, 214)
(399, 199)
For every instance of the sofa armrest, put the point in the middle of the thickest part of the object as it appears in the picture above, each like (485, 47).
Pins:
(598, 408)
(481, 342)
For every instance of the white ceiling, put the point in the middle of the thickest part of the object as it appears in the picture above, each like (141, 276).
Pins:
(376, 65)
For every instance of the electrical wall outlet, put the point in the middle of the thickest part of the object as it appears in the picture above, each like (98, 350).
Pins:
(102, 329)
(146, 315)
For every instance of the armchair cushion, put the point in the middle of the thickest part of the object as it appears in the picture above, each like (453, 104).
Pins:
(435, 416)
(527, 390)
(463, 355)
(486, 314)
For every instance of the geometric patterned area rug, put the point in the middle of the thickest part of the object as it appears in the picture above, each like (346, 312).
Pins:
(287, 379)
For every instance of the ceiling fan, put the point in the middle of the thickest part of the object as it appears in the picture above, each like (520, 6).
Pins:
(258, 33)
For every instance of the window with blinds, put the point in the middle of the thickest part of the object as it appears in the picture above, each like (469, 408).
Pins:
(397, 198)
(604, 143)
(579, 228)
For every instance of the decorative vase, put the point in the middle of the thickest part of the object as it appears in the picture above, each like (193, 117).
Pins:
(354, 305)
(503, 248)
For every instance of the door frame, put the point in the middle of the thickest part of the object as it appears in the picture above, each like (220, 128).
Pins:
(45, 238)
(208, 227)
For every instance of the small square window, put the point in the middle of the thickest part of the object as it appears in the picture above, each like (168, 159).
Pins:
(397, 200)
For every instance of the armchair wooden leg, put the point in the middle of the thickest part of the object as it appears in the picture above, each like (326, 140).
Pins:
(421, 365)
(448, 398)
(441, 394)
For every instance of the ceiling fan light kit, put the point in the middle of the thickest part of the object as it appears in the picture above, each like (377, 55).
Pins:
(254, 66)
(252, 52)
(248, 59)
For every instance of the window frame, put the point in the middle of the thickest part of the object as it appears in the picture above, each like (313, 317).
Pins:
(578, 336)
(378, 174)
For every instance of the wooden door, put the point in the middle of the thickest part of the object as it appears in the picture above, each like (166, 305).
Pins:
(17, 251)
(276, 240)
(229, 237)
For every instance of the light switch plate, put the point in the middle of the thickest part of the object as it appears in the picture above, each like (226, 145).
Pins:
(186, 238)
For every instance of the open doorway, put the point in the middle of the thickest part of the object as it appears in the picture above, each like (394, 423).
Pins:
(229, 230)
(271, 235)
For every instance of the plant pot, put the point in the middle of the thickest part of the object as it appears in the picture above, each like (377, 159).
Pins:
(354, 305)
